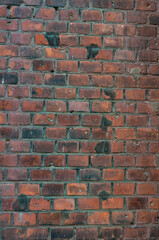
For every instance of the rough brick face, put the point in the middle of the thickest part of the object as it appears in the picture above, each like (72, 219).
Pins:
(79, 116)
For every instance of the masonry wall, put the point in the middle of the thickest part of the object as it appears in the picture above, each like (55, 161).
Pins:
(79, 101)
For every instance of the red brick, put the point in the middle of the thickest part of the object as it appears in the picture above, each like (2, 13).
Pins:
(147, 5)
(68, 146)
(17, 174)
(45, 13)
(56, 133)
(44, 119)
(20, 38)
(32, 26)
(43, 146)
(116, 17)
(76, 219)
(20, 12)
(76, 189)
(78, 53)
(64, 204)
(102, 81)
(147, 133)
(78, 80)
(89, 203)
(137, 232)
(98, 218)
(71, 15)
(78, 161)
(91, 15)
(60, 27)
(124, 30)
(86, 233)
(146, 217)
(145, 161)
(54, 160)
(37, 233)
(55, 106)
(43, 65)
(113, 174)
(136, 175)
(6, 51)
(108, 232)
(33, 2)
(101, 161)
(55, 53)
(122, 218)
(124, 188)
(79, 3)
(91, 67)
(114, 42)
(67, 66)
(24, 219)
(124, 4)
(79, 133)
(147, 31)
(101, 106)
(49, 218)
(126, 107)
(125, 133)
(113, 68)
(136, 120)
(5, 219)
(100, 189)
(39, 204)
(154, 203)
(12, 160)
(29, 189)
(146, 189)
(18, 92)
(20, 64)
(137, 203)
(32, 106)
(88, 40)
(79, 106)
(53, 189)
(148, 56)
(41, 175)
(68, 40)
(7, 189)
(65, 175)
(66, 93)
(30, 161)
(125, 55)
(19, 146)
(31, 78)
(80, 28)
(136, 17)
(113, 203)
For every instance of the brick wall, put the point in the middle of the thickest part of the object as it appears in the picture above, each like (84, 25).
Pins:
(79, 101)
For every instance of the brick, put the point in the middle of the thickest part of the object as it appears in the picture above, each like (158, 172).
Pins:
(32, 26)
(18, 92)
(29, 189)
(126, 107)
(61, 233)
(136, 175)
(69, 147)
(148, 56)
(146, 189)
(136, 203)
(136, 120)
(147, 133)
(25, 219)
(79, 3)
(19, 146)
(68, 40)
(98, 218)
(31, 78)
(37, 233)
(33, 2)
(88, 40)
(58, 79)
(20, 38)
(80, 28)
(90, 175)
(20, 12)
(102, 81)
(49, 218)
(113, 68)
(54, 53)
(12, 160)
(116, 17)
(53, 189)
(146, 217)
(78, 161)
(124, 30)
(123, 4)
(55, 106)
(101, 161)
(65, 175)
(91, 67)
(138, 232)
(68, 120)
(76, 219)
(12, 233)
(124, 188)
(7, 132)
(7, 189)
(41, 175)
(111, 231)
(71, 15)
(43, 65)
(122, 218)
(38, 92)
(86, 233)
(101, 107)
(66, 93)
(102, 4)
(137, 17)
(147, 5)
(5, 219)
(67, 66)
(60, 27)
(145, 161)
(32, 106)
(89, 93)
(43, 146)
(146, 31)
(56, 3)
(137, 43)
(76, 189)
(125, 133)
(114, 42)
(44, 119)
(17, 174)
(56, 133)
(6, 51)
(45, 13)
(100, 189)
(125, 55)
(153, 203)
(39, 204)
(64, 204)
(54, 160)
(30, 161)
(78, 53)
(91, 15)
(154, 44)
(113, 203)
(79, 106)
(79, 133)
(113, 174)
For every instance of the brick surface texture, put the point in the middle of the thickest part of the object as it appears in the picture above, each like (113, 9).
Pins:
(79, 119)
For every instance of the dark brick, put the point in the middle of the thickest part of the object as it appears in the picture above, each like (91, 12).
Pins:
(31, 133)
(8, 78)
